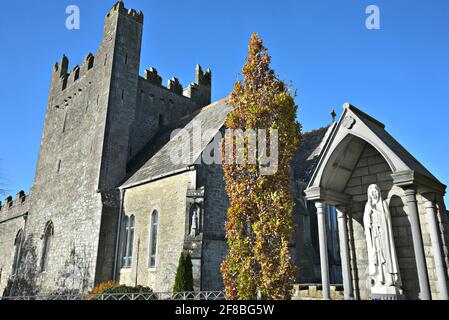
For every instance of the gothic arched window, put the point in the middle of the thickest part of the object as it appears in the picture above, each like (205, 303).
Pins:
(153, 238)
(17, 249)
(128, 241)
(46, 247)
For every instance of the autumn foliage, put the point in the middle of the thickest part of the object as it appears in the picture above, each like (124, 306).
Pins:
(102, 287)
(260, 225)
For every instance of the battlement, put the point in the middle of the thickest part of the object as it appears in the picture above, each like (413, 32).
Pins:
(64, 78)
(11, 203)
(120, 8)
(203, 78)
(152, 76)
(69, 82)
(200, 87)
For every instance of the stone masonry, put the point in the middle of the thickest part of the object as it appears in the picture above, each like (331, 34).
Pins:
(99, 115)
(105, 155)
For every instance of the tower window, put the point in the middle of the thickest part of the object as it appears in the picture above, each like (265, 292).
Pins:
(46, 246)
(58, 166)
(161, 120)
(17, 249)
(64, 124)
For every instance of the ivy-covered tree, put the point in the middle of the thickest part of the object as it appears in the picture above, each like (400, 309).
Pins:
(260, 224)
(184, 274)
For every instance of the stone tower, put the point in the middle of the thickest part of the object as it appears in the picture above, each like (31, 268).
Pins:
(100, 114)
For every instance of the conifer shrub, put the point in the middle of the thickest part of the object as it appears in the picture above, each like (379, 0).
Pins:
(184, 275)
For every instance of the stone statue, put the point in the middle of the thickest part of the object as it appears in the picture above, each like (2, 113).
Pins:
(195, 220)
(382, 260)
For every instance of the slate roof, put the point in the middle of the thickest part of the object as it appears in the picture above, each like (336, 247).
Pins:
(154, 160)
(308, 154)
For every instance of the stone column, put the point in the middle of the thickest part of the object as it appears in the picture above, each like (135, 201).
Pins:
(324, 259)
(418, 246)
(436, 245)
(344, 253)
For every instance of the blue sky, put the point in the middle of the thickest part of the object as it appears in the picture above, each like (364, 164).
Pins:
(398, 74)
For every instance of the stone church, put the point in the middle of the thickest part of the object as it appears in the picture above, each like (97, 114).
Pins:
(108, 203)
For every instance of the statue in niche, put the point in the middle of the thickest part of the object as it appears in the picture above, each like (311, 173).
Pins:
(195, 220)
(382, 259)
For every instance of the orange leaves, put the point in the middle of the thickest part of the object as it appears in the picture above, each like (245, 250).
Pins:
(260, 225)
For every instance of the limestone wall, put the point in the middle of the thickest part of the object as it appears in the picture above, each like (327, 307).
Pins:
(168, 196)
(12, 220)
(214, 243)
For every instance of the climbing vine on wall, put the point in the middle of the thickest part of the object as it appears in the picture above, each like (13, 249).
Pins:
(260, 225)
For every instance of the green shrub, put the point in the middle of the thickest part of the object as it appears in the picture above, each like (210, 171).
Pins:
(122, 289)
(184, 275)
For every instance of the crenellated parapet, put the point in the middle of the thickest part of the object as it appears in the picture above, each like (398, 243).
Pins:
(11, 205)
(203, 77)
(120, 8)
(174, 86)
(152, 77)
(198, 91)
(62, 78)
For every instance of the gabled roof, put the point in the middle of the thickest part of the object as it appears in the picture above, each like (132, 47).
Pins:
(344, 146)
(154, 161)
(308, 154)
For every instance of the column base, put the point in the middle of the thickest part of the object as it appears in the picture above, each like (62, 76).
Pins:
(385, 296)
(386, 293)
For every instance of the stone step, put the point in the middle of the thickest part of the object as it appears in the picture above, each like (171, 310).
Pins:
(315, 292)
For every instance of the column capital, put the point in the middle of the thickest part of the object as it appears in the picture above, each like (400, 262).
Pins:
(410, 191)
(341, 211)
(429, 196)
(319, 205)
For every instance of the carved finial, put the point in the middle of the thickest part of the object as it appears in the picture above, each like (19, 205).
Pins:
(333, 115)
